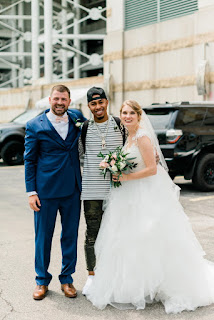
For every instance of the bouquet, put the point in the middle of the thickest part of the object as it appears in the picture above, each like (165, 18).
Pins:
(116, 163)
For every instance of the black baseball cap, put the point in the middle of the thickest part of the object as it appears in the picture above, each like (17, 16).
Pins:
(96, 91)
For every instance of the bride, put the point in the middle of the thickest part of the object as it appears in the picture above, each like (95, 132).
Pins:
(146, 250)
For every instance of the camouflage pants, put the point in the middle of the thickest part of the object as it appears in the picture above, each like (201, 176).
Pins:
(93, 216)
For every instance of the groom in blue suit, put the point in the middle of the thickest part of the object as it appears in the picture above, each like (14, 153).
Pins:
(53, 183)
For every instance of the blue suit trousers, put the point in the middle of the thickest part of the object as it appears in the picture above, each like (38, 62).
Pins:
(44, 222)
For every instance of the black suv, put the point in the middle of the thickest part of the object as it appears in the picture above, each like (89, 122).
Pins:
(185, 131)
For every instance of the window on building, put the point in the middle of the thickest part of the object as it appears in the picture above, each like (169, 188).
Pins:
(144, 12)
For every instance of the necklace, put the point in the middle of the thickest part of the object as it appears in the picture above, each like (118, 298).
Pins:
(102, 135)
(131, 138)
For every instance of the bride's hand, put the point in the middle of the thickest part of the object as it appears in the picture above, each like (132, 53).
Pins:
(123, 177)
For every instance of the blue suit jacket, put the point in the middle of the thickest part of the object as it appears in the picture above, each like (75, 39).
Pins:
(52, 166)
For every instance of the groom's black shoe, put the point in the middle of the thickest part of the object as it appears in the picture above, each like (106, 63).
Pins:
(69, 290)
(40, 292)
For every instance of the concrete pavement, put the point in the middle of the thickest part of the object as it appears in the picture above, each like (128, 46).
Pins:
(17, 259)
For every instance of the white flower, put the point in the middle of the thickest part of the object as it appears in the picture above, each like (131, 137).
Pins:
(114, 168)
(122, 165)
(106, 158)
(78, 124)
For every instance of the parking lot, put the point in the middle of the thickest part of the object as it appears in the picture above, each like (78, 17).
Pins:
(17, 259)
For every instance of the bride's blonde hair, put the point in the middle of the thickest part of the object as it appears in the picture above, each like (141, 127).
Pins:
(134, 105)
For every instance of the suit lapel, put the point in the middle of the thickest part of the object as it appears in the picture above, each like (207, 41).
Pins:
(72, 126)
(50, 130)
(75, 140)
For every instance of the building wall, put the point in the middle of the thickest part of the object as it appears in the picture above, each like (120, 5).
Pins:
(15, 101)
(154, 63)
(158, 62)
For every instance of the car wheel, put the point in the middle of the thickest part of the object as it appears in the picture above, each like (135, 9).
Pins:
(12, 153)
(203, 177)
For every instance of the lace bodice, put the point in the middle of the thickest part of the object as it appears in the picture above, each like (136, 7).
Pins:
(134, 151)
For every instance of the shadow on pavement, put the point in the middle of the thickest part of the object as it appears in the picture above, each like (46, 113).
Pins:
(2, 164)
(186, 185)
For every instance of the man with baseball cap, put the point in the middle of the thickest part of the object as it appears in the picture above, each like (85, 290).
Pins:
(103, 133)
(96, 93)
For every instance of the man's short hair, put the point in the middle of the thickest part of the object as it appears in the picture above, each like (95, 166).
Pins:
(60, 88)
(95, 91)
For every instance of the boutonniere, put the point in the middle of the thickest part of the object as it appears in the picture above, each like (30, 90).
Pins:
(78, 123)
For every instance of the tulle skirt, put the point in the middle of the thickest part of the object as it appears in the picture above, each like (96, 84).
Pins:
(146, 251)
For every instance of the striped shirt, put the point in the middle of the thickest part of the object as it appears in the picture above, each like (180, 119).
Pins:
(94, 186)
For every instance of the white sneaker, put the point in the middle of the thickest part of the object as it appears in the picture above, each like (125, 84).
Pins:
(87, 285)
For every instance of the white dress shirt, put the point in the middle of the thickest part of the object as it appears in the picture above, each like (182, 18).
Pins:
(61, 128)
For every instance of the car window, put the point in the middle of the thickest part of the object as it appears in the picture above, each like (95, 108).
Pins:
(190, 117)
(26, 116)
(160, 119)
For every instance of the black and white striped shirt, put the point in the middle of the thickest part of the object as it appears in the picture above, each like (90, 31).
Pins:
(94, 186)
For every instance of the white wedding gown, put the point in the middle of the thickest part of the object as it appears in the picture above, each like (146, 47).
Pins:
(146, 250)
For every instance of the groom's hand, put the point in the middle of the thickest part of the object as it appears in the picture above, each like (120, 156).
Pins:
(34, 202)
